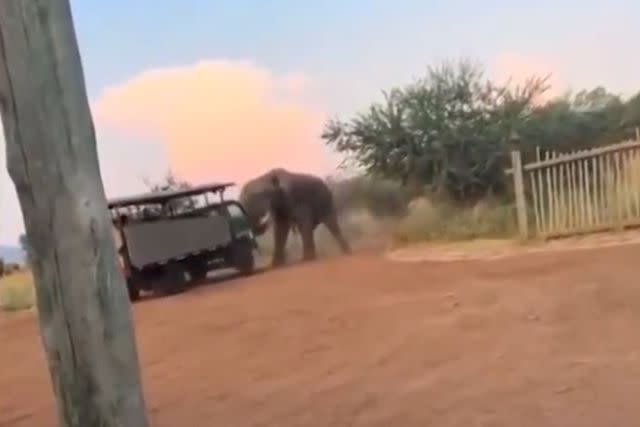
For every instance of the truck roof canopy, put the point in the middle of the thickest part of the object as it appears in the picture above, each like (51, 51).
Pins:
(165, 196)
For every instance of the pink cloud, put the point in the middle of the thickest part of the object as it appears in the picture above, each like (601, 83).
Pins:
(220, 120)
(518, 68)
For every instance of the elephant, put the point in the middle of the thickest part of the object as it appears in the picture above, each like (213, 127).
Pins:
(291, 201)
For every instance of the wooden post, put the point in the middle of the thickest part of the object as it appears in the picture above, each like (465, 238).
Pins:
(83, 307)
(518, 185)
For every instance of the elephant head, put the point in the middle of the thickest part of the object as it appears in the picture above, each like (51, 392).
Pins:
(255, 197)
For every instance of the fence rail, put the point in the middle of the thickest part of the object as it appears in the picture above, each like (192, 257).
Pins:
(578, 192)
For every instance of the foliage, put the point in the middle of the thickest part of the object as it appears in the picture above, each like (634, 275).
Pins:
(450, 132)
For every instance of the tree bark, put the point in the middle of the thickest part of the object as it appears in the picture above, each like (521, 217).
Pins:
(83, 307)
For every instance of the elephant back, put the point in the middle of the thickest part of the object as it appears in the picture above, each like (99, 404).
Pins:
(313, 191)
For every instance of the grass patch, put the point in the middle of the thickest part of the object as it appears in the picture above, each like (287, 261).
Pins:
(17, 291)
(427, 220)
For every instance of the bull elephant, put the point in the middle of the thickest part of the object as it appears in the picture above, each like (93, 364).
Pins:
(291, 201)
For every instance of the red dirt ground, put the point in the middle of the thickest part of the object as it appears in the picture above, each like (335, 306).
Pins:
(541, 340)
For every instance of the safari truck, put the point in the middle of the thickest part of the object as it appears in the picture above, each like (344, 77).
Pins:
(168, 240)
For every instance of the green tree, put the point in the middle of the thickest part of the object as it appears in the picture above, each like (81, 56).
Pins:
(631, 116)
(451, 131)
(447, 132)
(587, 119)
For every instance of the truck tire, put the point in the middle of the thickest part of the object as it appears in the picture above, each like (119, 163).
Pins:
(242, 256)
(134, 291)
(133, 285)
(198, 271)
(174, 280)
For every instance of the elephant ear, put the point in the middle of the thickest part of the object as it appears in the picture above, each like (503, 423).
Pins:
(261, 187)
(254, 197)
(251, 188)
(262, 183)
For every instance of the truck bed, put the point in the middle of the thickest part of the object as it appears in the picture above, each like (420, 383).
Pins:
(159, 241)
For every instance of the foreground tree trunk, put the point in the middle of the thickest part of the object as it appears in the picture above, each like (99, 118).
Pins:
(82, 301)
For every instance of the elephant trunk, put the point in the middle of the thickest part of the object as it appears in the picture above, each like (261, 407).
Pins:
(261, 225)
(257, 213)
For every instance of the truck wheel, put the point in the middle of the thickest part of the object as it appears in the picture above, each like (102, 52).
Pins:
(133, 287)
(174, 280)
(134, 292)
(242, 256)
(198, 271)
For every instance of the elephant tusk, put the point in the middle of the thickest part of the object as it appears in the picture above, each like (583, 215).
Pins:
(261, 225)
(266, 219)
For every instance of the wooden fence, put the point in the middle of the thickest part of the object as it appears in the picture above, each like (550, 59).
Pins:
(578, 192)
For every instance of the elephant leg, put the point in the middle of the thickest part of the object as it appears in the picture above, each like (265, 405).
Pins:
(305, 228)
(280, 232)
(331, 222)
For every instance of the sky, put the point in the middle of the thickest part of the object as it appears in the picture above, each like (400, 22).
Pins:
(225, 90)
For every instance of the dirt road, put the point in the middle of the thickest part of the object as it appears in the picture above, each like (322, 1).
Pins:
(542, 340)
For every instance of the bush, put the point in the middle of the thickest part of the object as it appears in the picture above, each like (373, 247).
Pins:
(17, 292)
(381, 198)
(427, 220)
(373, 206)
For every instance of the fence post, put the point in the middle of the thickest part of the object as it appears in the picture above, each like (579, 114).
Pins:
(518, 186)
